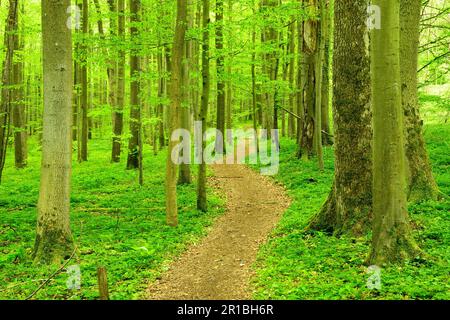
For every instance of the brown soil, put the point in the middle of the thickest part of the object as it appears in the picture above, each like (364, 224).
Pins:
(219, 267)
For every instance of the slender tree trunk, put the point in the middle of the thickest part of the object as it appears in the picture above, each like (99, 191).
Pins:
(220, 119)
(348, 208)
(118, 110)
(173, 111)
(320, 56)
(161, 95)
(19, 115)
(112, 72)
(421, 184)
(202, 203)
(6, 91)
(83, 155)
(325, 101)
(310, 51)
(291, 119)
(135, 103)
(53, 236)
(392, 240)
(254, 94)
(184, 176)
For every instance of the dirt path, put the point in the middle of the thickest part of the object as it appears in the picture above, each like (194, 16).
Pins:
(219, 267)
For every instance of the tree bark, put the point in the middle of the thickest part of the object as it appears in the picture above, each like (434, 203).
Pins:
(173, 111)
(6, 92)
(391, 236)
(19, 115)
(421, 184)
(53, 236)
(83, 154)
(202, 203)
(118, 110)
(348, 208)
(220, 118)
(135, 103)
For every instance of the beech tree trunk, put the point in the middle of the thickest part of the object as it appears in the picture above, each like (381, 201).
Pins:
(202, 203)
(6, 92)
(348, 208)
(18, 114)
(421, 184)
(220, 118)
(135, 103)
(53, 236)
(391, 237)
(173, 111)
(83, 152)
(118, 110)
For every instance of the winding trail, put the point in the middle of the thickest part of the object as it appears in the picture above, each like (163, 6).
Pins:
(219, 267)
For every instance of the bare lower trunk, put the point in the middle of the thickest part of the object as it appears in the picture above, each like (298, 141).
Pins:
(53, 235)
(173, 112)
(391, 238)
(421, 184)
(202, 203)
(348, 207)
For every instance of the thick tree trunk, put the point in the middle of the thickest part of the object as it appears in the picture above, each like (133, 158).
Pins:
(53, 236)
(173, 111)
(391, 238)
(118, 110)
(348, 208)
(202, 203)
(135, 103)
(421, 184)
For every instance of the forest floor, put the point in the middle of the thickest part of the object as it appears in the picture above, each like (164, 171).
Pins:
(220, 266)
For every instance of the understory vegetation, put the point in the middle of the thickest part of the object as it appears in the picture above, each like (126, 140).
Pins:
(299, 264)
(115, 222)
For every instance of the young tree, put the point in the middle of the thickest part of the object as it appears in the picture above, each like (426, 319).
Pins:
(18, 112)
(173, 111)
(392, 240)
(53, 236)
(120, 96)
(6, 92)
(220, 119)
(348, 207)
(202, 203)
(135, 108)
(83, 152)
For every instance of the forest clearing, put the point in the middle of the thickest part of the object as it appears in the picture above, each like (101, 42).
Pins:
(224, 150)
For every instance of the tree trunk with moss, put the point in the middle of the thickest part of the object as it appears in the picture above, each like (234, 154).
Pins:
(421, 184)
(173, 112)
(348, 207)
(53, 236)
(7, 79)
(18, 113)
(392, 240)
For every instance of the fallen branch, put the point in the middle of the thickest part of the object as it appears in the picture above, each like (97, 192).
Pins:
(52, 275)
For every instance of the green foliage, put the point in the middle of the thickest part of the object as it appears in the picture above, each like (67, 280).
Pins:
(115, 223)
(296, 264)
